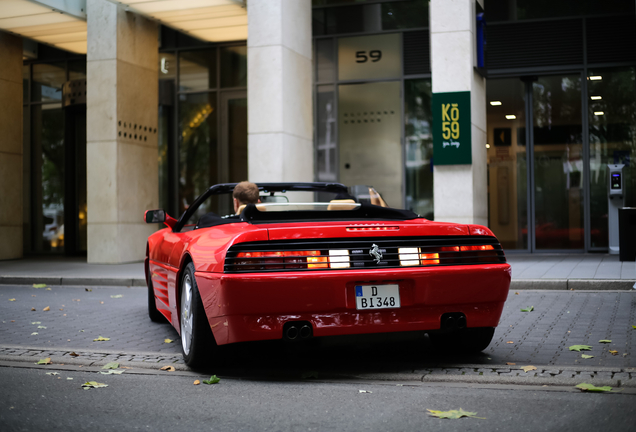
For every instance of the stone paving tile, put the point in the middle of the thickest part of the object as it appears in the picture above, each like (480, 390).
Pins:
(608, 269)
(628, 270)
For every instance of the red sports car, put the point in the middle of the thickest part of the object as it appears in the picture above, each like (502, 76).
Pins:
(311, 260)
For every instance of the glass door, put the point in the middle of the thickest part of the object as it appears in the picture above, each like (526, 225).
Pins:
(557, 173)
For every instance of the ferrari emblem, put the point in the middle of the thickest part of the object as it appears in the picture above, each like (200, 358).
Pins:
(376, 253)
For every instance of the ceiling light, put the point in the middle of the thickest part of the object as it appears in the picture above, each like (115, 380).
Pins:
(596, 97)
(487, 146)
(511, 116)
(495, 103)
(595, 78)
(599, 113)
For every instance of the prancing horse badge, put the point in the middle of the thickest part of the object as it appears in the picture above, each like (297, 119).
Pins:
(376, 253)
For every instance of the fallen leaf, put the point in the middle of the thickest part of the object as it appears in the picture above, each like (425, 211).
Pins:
(166, 340)
(46, 309)
(33, 295)
(100, 339)
(511, 364)
(36, 322)
(101, 302)
(93, 384)
(112, 372)
(12, 299)
(111, 365)
(585, 356)
(34, 333)
(87, 289)
(453, 414)
(510, 342)
(44, 361)
(32, 309)
(116, 296)
(580, 348)
(593, 388)
(196, 382)
(634, 327)
(125, 367)
(528, 309)
(76, 299)
(49, 289)
(41, 327)
(81, 331)
(39, 285)
(213, 380)
(613, 352)
(364, 391)
(528, 368)
(69, 378)
(52, 373)
(74, 354)
(605, 341)
(168, 368)
(516, 292)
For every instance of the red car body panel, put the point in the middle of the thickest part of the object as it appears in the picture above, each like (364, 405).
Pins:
(255, 306)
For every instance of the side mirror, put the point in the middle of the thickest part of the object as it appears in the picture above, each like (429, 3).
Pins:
(155, 216)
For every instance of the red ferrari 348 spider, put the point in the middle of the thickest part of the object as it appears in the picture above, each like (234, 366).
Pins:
(311, 260)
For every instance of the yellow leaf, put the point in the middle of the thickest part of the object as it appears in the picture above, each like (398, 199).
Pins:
(168, 368)
(12, 299)
(197, 382)
(510, 342)
(517, 293)
(511, 363)
(32, 309)
(614, 352)
(528, 368)
(39, 285)
(46, 309)
(100, 339)
(166, 340)
(44, 361)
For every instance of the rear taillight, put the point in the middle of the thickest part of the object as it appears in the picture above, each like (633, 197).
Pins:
(278, 260)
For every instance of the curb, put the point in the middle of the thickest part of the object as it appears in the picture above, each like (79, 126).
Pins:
(573, 284)
(71, 281)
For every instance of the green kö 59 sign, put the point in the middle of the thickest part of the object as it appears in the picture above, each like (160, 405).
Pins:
(451, 129)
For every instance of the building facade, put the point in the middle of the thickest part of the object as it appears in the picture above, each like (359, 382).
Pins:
(117, 108)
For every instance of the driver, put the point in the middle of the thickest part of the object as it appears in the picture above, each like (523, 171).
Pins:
(244, 193)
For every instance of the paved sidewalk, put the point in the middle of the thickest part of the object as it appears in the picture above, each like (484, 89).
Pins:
(529, 271)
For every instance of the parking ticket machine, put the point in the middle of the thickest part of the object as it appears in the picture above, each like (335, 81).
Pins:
(616, 200)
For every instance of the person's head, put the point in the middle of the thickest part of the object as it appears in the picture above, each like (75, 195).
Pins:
(245, 193)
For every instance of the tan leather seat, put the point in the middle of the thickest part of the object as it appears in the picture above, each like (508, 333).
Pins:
(340, 206)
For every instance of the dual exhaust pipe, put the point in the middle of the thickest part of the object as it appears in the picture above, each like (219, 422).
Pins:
(297, 330)
(453, 321)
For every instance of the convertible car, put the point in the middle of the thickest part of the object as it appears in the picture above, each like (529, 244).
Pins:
(318, 260)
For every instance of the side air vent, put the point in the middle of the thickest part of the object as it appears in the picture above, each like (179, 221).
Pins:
(531, 44)
(417, 52)
(611, 39)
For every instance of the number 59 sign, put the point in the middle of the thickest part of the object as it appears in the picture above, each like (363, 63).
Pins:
(451, 128)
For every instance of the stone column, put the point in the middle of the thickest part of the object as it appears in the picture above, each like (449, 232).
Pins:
(460, 191)
(11, 147)
(280, 112)
(121, 150)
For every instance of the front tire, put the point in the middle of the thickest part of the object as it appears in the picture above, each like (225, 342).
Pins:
(197, 340)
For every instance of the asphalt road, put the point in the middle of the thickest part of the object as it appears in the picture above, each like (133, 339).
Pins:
(172, 403)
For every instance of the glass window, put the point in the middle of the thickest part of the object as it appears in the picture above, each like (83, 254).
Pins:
(197, 70)
(418, 119)
(507, 10)
(347, 19)
(164, 129)
(558, 162)
(612, 131)
(234, 66)
(326, 129)
(25, 83)
(47, 82)
(507, 162)
(167, 66)
(48, 177)
(325, 61)
(404, 15)
(198, 161)
(76, 69)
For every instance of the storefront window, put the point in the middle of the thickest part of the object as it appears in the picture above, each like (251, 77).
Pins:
(404, 15)
(507, 162)
(47, 82)
(234, 66)
(612, 132)
(325, 60)
(197, 70)
(419, 146)
(326, 131)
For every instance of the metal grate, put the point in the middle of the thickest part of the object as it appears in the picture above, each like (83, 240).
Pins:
(316, 255)
(417, 53)
(547, 43)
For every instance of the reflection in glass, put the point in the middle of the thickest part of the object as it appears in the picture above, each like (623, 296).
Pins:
(48, 176)
(326, 129)
(237, 138)
(25, 83)
(234, 66)
(167, 66)
(47, 82)
(198, 146)
(612, 131)
(558, 162)
(163, 139)
(197, 70)
(76, 69)
(419, 146)
(325, 66)
(404, 15)
(507, 162)
(506, 10)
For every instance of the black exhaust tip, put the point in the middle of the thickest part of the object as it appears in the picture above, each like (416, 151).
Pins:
(461, 322)
(292, 332)
(306, 331)
(297, 330)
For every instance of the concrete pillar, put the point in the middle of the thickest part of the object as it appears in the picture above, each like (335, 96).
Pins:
(280, 112)
(460, 191)
(121, 150)
(10, 147)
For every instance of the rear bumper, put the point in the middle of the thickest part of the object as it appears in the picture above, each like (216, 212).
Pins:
(251, 307)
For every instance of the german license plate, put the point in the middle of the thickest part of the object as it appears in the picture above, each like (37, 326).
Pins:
(377, 296)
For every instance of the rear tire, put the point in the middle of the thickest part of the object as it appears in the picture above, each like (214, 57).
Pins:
(197, 340)
(466, 341)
